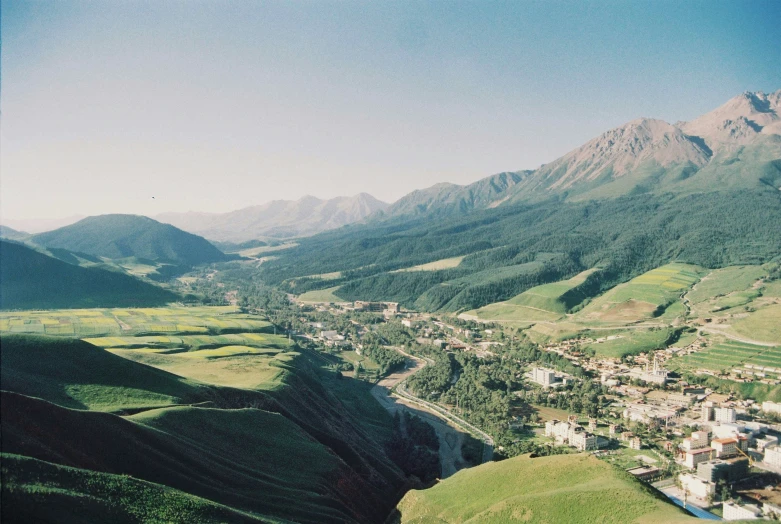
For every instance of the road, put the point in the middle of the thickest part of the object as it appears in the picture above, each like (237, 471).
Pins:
(450, 429)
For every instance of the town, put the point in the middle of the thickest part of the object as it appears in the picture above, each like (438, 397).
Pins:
(708, 450)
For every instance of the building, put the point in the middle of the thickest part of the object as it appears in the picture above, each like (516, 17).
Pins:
(646, 473)
(698, 440)
(718, 469)
(773, 456)
(707, 412)
(635, 443)
(725, 447)
(613, 429)
(655, 375)
(727, 415)
(583, 440)
(734, 511)
(695, 486)
(376, 307)
(592, 424)
(697, 456)
(406, 323)
(766, 441)
(546, 377)
(771, 407)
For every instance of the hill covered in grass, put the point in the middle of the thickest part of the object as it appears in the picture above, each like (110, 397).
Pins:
(559, 488)
(123, 236)
(286, 449)
(32, 280)
(31, 485)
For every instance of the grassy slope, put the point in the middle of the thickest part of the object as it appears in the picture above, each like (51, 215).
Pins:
(229, 456)
(563, 488)
(642, 297)
(321, 295)
(339, 473)
(29, 279)
(39, 491)
(78, 375)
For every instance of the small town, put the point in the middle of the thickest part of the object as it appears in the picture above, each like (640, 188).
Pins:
(709, 451)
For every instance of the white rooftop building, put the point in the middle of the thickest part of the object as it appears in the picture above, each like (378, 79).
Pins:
(734, 511)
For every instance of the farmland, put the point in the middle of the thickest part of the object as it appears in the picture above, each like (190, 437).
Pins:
(726, 354)
(643, 297)
(83, 323)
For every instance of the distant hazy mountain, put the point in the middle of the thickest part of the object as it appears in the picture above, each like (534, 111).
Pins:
(452, 198)
(32, 280)
(122, 236)
(737, 145)
(39, 225)
(12, 234)
(278, 219)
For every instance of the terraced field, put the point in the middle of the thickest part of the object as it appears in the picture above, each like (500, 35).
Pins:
(643, 297)
(103, 322)
(730, 354)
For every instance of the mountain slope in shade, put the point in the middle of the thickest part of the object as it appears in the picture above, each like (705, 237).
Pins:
(279, 218)
(32, 280)
(121, 236)
(448, 198)
(12, 234)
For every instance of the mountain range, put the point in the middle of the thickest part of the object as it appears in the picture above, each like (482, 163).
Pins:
(277, 219)
(634, 198)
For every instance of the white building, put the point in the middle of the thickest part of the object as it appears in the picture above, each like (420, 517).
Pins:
(773, 455)
(697, 456)
(545, 377)
(698, 440)
(725, 447)
(771, 407)
(734, 511)
(766, 442)
(725, 415)
(695, 486)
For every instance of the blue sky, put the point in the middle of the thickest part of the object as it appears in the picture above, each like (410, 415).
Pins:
(212, 106)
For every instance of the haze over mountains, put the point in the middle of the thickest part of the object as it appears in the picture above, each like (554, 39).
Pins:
(279, 218)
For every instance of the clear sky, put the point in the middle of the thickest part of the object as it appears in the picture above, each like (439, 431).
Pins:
(217, 105)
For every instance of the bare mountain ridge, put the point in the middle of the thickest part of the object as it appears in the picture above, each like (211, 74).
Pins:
(737, 145)
(277, 219)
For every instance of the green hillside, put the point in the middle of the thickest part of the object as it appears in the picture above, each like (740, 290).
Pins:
(624, 236)
(560, 488)
(123, 236)
(39, 491)
(75, 374)
(283, 446)
(29, 279)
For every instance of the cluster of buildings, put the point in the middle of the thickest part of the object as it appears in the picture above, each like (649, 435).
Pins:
(573, 434)
(389, 309)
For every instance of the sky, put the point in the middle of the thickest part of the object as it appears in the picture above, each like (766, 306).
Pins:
(150, 107)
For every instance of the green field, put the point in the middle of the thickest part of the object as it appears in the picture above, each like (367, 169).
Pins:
(763, 325)
(630, 342)
(321, 295)
(725, 281)
(643, 297)
(562, 488)
(132, 321)
(728, 354)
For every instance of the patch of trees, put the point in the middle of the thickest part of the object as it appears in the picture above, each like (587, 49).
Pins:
(414, 447)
